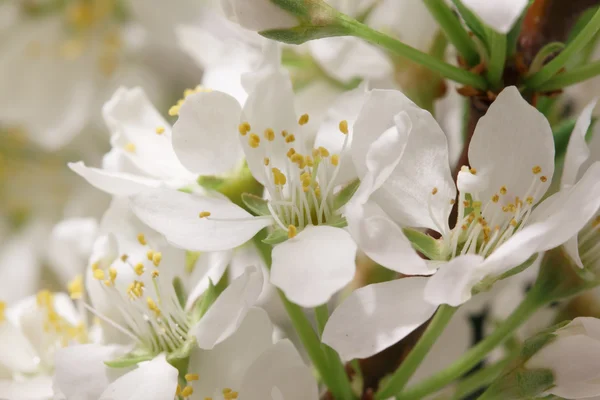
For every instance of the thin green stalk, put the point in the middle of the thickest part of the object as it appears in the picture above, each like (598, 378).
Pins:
(495, 68)
(479, 379)
(415, 357)
(456, 74)
(453, 29)
(572, 77)
(535, 300)
(576, 45)
(335, 363)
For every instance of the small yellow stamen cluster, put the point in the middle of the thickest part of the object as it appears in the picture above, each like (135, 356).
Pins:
(229, 394)
(160, 130)
(188, 390)
(142, 239)
(303, 120)
(152, 306)
(2, 311)
(135, 290)
(204, 214)
(344, 127)
(269, 134)
(536, 170)
(174, 110)
(292, 231)
(253, 140)
(130, 147)
(434, 191)
(156, 258)
(75, 287)
(244, 128)
(278, 177)
(139, 269)
(54, 323)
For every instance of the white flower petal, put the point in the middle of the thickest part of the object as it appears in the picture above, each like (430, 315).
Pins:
(205, 137)
(499, 14)
(383, 240)
(35, 388)
(16, 352)
(176, 215)
(133, 120)
(209, 267)
(279, 368)
(229, 310)
(314, 265)
(258, 15)
(375, 317)
(225, 365)
(152, 380)
(115, 183)
(512, 130)
(80, 372)
(453, 282)
(577, 150)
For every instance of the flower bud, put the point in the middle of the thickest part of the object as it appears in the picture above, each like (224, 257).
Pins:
(288, 21)
(573, 356)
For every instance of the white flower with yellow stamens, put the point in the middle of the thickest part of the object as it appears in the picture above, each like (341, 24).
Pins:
(402, 155)
(142, 154)
(314, 256)
(31, 332)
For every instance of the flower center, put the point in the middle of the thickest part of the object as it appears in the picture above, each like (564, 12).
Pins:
(300, 182)
(483, 224)
(188, 390)
(147, 301)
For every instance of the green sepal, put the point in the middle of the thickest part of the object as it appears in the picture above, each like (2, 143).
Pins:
(520, 268)
(546, 51)
(210, 182)
(344, 195)
(473, 22)
(275, 237)
(296, 7)
(202, 306)
(179, 291)
(338, 222)
(132, 358)
(423, 243)
(182, 352)
(256, 204)
(304, 33)
(520, 384)
(539, 341)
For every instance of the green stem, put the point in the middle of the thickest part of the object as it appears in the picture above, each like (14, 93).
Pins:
(415, 357)
(321, 316)
(357, 29)
(453, 29)
(576, 45)
(495, 68)
(572, 77)
(534, 300)
(479, 379)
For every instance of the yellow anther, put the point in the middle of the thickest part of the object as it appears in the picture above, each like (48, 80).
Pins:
(513, 222)
(99, 274)
(309, 161)
(467, 203)
(291, 152)
(178, 390)
(142, 239)
(130, 147)
(266, 161)
(464, 227)
(112, 274)
(155, 273)
(95, 265)
(227, 391)
(529, 200)
(335, 160)
(503, 190)
(244, 128)
(284, 133)
(536, 170)
(318, 192)
(156, 258)
(160, 130)
(473, 171)
(204, 214)
(124, 257)
(139, 269)
(323, 152)
(174, 110)
(434, 191)
(269, 134)
(75, 287)
(292, 231)
(253, 140)
(303, 120)
(495, 198)
(278, 177)
(477, 204)
(344, 127)
(187, 391)
(152, 306)
(299, 160)
(290, 138)
(2, 311)
(149, 255)
(107, 282)
(191, 377)
(543, 179)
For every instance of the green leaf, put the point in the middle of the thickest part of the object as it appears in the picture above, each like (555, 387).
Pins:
(344, 195)
(202, 306)
(423, 243)
(276, 237)
(256, 204)
(132, 358)
(543, 54)
(473, 22)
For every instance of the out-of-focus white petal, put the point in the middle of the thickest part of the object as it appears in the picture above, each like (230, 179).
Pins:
(374, 317)
(314, 265)
(499, 14)
(454, 280)
(577, 150)
(258, 15)
(115, 183)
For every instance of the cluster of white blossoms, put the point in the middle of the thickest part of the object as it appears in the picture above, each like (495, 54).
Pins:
(319, 220)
